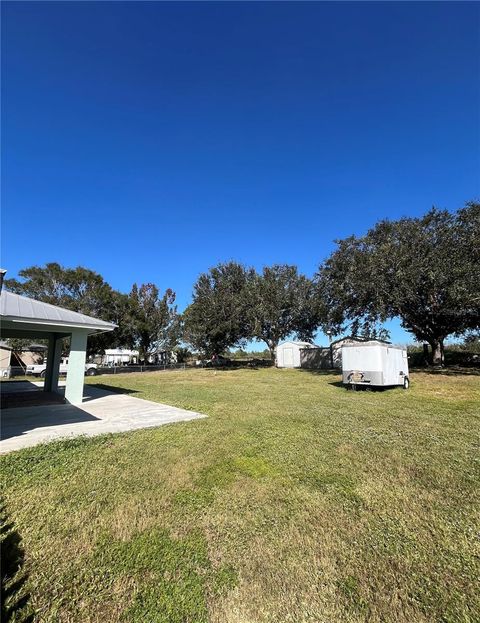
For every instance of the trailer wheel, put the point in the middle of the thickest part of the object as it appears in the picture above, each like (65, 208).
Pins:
(406, 383)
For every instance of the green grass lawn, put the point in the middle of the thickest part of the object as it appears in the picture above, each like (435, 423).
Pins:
(294, 501)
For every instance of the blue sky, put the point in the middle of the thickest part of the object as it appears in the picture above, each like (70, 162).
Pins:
(150, 141)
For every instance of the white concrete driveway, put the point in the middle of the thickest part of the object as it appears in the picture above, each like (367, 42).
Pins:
(101, 412)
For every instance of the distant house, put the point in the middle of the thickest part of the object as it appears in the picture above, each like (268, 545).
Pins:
(117, 357)
(20, 357)
(124, 357)
(163, 357)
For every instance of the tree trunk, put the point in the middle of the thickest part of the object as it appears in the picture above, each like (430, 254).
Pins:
(426, 355)
(442, 350)
(436, 346)
(272, 347)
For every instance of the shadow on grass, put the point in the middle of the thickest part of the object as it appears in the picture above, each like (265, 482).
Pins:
(337, 384)
(328, 374)
(448, 371)
(232, 368)
(114, 388)
(320, 372)
(15, 600)
(340, 384)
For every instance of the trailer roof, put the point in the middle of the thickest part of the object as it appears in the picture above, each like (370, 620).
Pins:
(372, 343)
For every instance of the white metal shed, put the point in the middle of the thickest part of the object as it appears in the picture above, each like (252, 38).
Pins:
(288, 354)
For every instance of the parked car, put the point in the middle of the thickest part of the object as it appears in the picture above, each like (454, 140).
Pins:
(40, 369)
(217, 360)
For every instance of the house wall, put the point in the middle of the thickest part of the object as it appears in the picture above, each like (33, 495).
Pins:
(5, 354)
(8, 358)
(29, 357)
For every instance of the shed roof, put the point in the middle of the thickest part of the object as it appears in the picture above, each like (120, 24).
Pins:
(17, 308)
(299, 344)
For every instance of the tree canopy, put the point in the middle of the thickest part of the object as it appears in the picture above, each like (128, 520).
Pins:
(219, 316)
(145, 319)
(151, 319)
(233, 304)
(281, 304)
(426, 271)
(78, 289)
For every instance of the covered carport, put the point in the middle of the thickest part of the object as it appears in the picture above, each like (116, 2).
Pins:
(26, 318)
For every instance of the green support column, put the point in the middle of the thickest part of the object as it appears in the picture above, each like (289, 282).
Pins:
(54, 355)
(76, 367)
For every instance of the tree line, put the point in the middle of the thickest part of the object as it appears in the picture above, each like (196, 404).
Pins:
(423, 270)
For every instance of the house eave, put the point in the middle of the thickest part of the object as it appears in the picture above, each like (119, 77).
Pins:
(51, 325)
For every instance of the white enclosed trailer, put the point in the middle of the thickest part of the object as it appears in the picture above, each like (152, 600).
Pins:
(375, 364)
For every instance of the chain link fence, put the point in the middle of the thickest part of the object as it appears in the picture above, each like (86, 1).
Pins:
(19, 372)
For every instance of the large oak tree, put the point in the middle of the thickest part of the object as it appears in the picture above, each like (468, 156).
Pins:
(219, 316)
(426, 271)
(78, 289)
(152, 320)
(281, 304)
